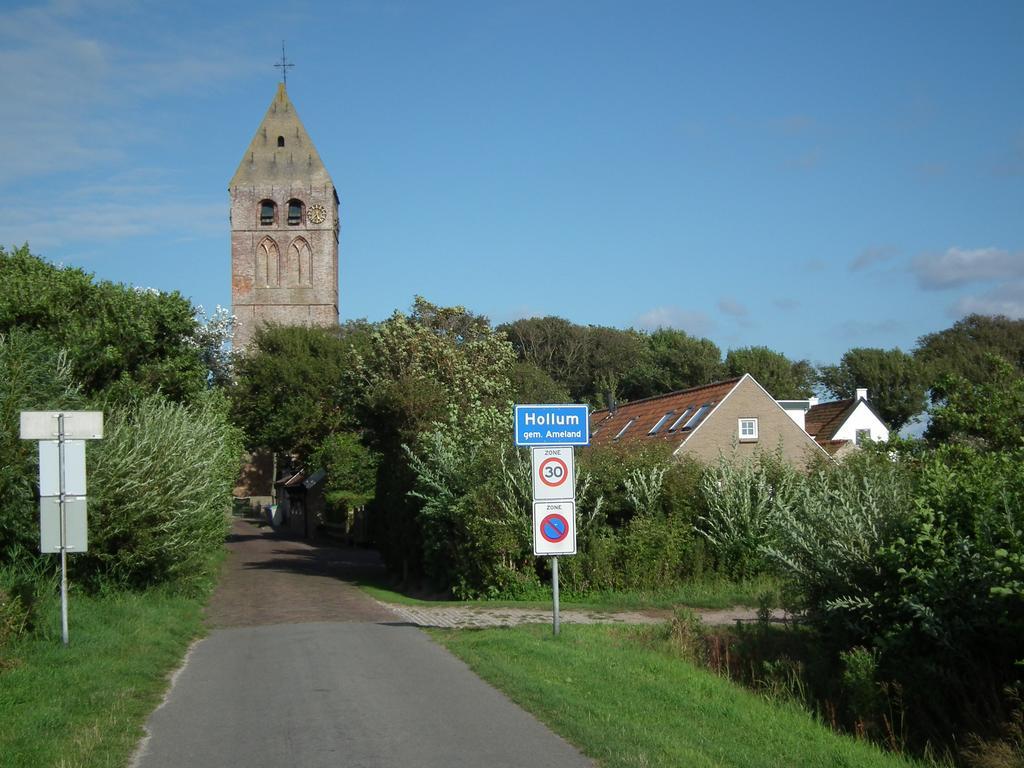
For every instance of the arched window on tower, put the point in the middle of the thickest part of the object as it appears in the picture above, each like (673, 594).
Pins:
(300, 260)
(268, 213)
(280, 141)
(295, 211)
(268, 264)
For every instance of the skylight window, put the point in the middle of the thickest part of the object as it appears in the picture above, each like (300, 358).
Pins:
(682, 417)
(623, 430)
(698, 416)
(661, 423)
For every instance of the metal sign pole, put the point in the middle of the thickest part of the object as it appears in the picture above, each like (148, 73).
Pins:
(63, 535)
(554, 590)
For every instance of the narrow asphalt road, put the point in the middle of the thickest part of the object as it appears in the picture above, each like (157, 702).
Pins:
(301, 669)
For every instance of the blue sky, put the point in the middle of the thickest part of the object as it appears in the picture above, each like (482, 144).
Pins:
(808, 176)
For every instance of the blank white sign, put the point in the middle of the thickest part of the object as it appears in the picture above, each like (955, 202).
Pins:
(43, 425)
(49, 525)
(74, 468)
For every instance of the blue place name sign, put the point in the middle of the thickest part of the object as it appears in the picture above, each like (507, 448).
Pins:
(552, 425)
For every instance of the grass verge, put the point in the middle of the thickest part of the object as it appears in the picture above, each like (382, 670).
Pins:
(84, 706)
(709, 593)
(627, 704)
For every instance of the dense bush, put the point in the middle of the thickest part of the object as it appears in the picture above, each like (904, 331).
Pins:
(918, 560)
(160, 490)
(34, 375)
(120, 341)
(743, 503)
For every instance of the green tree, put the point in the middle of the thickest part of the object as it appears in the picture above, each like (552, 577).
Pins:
(120, 341)
(439, 371)
(989, 414)
(614, 355)
(532, 384)
(34, 375)
(962, 349)
(895, 382)
(676, 361)
(782, 377)
(351, 469)
(556, 346)
(290, 392)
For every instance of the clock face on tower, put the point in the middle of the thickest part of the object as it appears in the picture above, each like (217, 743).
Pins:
(317, 214)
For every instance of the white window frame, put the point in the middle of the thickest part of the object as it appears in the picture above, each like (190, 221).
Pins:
(747, 421)
(698, 416)
(623, 430)
(682, 417)
(661, 423)
(860, 436)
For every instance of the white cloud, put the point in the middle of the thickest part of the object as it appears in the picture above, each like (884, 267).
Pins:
(960, 266)
(871, 256)
(68, 94)
(692, 321)
(732, 307)
(1005, 300)
(107, 221)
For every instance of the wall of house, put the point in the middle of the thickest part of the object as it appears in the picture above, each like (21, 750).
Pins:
(720, 430)
(862, 418)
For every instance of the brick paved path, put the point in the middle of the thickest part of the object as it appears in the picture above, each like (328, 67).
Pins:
(271, 579)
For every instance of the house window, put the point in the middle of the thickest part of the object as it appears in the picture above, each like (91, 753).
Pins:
(661, 423)
(862, 436)
(280, 141)
(697, 417)
(748, 429)
(294, 212)
(623, 430)
(268, 213)
(682, 417)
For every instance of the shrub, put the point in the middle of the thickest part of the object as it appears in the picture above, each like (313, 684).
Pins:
(160, 492)
(34, 375)
(743, 503)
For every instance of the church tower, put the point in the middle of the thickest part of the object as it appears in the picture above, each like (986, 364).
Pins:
(284, 229)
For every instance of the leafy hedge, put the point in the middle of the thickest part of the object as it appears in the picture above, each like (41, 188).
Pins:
(160, 484)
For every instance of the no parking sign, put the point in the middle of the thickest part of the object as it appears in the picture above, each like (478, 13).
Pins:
(554, 528)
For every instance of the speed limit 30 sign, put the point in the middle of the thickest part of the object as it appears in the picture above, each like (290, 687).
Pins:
(553, 476)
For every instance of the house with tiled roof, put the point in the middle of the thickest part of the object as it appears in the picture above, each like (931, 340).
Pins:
(842, 425)
(704, 422)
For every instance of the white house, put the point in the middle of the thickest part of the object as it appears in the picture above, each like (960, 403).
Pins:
(840, 425)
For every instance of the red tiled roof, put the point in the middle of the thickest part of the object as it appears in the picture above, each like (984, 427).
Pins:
(606, 425)
(832, 447)
(823, 421)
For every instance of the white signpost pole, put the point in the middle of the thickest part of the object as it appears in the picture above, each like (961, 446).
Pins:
(551, 431)
(67, 479)
(554, 591)
(63, 535)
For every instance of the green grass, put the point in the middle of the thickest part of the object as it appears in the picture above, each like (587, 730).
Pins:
(708, 593)
(628, 704)
(84, 706)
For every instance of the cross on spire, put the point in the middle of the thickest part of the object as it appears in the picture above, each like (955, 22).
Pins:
(283, 66)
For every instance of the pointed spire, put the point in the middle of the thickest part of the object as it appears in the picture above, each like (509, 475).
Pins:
(281, 136)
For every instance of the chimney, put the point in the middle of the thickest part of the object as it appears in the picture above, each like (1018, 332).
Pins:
(812, 401)
(862, 393)
(609, 398)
